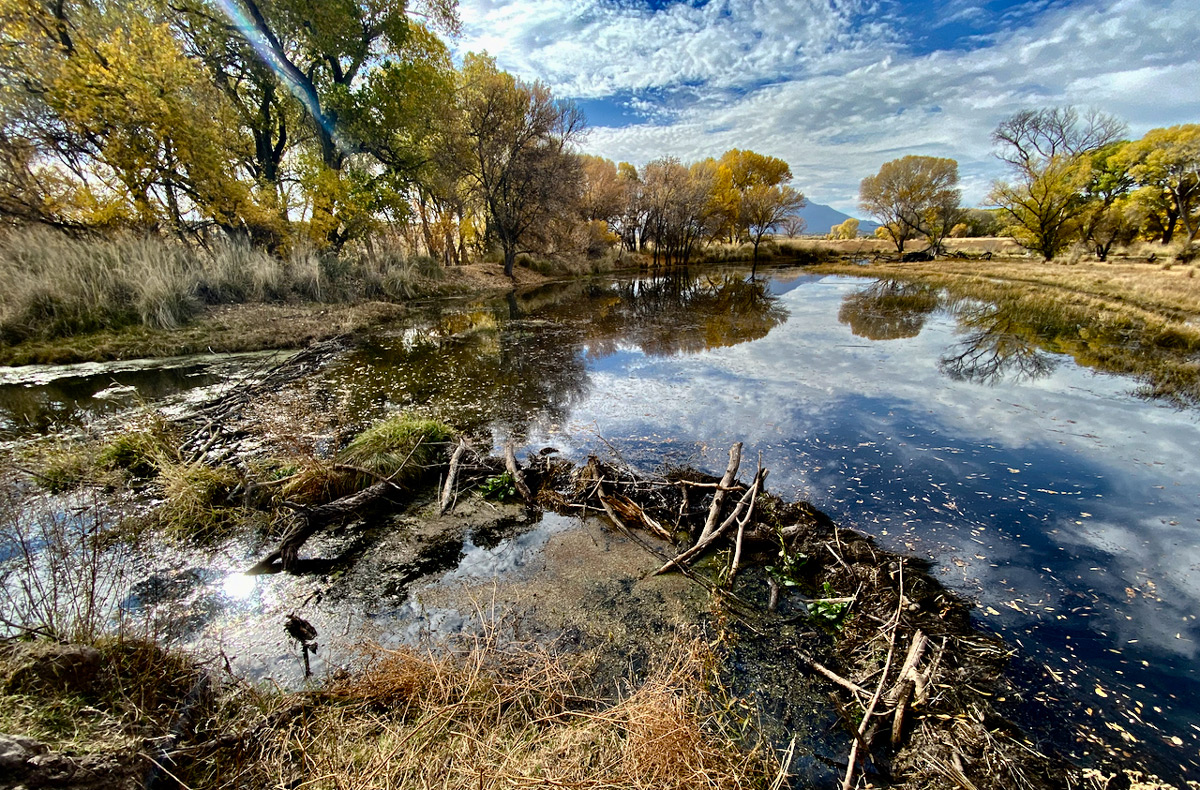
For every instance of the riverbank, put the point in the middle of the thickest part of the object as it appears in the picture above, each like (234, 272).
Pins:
(797, 612)
(259, 326)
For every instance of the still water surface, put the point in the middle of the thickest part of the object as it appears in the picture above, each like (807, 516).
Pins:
(1066, 506)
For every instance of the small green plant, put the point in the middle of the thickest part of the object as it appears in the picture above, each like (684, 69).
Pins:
(500, 488)
(787, 572)
(828, 613)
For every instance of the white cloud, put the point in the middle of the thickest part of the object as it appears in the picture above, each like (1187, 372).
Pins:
(834, 95)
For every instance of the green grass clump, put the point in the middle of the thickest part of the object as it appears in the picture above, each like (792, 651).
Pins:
(139, 452)
(197, 504)
(62, 465)
(401, 449)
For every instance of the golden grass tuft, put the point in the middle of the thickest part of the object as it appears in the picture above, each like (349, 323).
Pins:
(197, 498)
(402, 449)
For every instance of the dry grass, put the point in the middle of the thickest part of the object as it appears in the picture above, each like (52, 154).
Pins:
(1137, 290)
(57, 287)
(499, 717)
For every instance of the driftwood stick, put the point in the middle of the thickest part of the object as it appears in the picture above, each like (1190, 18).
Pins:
(452, 475)
(848, 782)
(514, 471)
(821, 669)
(630, 510)
(899, 696)
(714, 510)
(704, 543)
(742, 522)
(923, 679)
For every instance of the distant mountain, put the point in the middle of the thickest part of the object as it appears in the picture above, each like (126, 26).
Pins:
(821, 218)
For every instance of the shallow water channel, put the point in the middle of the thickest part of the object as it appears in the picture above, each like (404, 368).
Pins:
(1051, 494)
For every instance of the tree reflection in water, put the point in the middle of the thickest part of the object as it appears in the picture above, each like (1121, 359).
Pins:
(888, 309)
(524, 360)
(998, 345)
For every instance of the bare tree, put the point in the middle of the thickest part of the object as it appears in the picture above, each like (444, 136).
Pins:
(794, 225)
(1049, 150)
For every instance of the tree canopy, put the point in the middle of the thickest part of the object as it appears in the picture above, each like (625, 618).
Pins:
(913, 197)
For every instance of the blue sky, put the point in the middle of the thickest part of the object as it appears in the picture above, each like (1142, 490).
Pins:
(838, 87)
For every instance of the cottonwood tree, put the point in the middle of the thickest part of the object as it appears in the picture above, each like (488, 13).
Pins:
(105, 118)
(794, 225)
(1110, 215)
(679, 211)
(845, 230)
(763, 208)
(914, 197)
(1166, 164)
(332, 70)
(734, 175)
(1048, 151)
(518, 165)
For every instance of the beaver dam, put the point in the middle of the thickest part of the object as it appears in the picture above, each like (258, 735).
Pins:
(455, 582)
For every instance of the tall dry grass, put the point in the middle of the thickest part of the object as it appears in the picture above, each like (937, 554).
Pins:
(56, 286)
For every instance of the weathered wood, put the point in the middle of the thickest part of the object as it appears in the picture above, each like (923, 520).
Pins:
(906, 684)
(632, 511)
(703, 544)
(514, 471)
(314, 519)
(452, 476)
(742, 522)
(714, 510)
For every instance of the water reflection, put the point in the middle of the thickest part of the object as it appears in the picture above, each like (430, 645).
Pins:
(997, 344)
(1018, 339)
(44, 398)
(888, 309)
(524, 360)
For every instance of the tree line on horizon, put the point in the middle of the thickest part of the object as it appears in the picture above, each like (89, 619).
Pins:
(282, 123)
(1074, 179)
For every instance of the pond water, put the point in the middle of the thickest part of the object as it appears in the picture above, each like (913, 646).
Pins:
(1066, 506)
(38, 399)
(1050, 493)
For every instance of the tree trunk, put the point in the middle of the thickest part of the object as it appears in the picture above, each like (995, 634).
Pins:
(510, 258)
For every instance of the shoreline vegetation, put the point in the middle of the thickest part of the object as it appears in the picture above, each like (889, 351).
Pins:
(1136, 313)
(913, 684)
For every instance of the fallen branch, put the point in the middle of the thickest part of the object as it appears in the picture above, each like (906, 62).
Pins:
(907, 682)
(821, 669)
(714, 510)
(514, 471)
(452, 476)
(705, 542)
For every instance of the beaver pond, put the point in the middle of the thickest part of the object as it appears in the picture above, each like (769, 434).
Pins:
(1054, 492)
